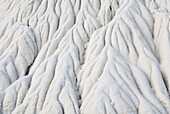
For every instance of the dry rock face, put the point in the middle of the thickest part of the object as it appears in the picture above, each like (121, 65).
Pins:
(84, 56)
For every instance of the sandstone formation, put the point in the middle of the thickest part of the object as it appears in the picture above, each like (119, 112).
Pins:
(84, 56)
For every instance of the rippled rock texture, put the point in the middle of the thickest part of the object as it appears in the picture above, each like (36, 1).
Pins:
(84, 56)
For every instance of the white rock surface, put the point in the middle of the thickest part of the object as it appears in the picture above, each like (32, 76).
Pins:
(84, 56)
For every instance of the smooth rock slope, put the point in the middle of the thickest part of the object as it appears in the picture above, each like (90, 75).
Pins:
(84, 56)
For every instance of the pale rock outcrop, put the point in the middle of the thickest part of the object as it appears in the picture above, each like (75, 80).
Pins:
(84, 57)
